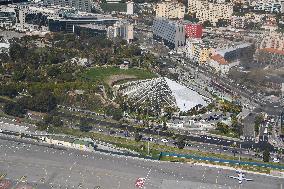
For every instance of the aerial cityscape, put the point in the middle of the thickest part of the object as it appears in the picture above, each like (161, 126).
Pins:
(141, 94)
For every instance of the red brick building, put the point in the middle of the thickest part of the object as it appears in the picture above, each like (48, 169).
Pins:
(193, 30)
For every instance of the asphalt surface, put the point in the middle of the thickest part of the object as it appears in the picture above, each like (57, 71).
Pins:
(46, 168)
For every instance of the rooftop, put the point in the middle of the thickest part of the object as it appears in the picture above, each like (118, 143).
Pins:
(271, 50)
(220, 59)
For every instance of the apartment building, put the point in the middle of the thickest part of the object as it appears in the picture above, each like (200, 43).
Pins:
(122, 29)
(272, 56)
(171, 33)
(199, 50)
(274, 41)
(193, 30)
(271, 6)
(211, 11)
(81, 5)
(170, 10)
(7, 17)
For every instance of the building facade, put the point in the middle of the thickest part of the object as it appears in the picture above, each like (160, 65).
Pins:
(170, 32)
(170, 10)
(82, 5)
(7, 17)
(193, 30)
(209, 11)
(273, 40)
(199, 50)
(130, 8)
(271, 56)
(122, 29)
(271, 6)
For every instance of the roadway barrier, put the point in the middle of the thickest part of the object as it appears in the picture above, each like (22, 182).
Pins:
(218, 160)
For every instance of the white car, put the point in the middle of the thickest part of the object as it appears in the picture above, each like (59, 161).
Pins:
(164, 140)
(275, 160)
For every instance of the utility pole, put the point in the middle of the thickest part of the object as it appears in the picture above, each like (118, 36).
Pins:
(240, 152)
(148, 148)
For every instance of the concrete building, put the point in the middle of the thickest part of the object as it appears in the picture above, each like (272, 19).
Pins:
(120, 28)
(274, 41)
(68, 22)
(130, 8)
(223, 59)
(193, 30)
(199, 50)
(170, 10)
(271, 6)
(170, 32)
(82, 5)
(27, 12)
(209, 11)
(238, 22)
(7, 17)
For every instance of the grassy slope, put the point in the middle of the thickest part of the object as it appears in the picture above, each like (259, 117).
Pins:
(100, 74)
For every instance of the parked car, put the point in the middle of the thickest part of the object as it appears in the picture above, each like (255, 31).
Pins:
(164, 140)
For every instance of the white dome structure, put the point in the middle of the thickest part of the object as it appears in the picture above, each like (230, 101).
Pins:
(162, 92)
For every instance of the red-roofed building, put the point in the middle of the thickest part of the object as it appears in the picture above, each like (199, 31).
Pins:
(193, 30)
(218, 62)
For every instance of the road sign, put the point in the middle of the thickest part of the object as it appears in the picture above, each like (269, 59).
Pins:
(140, 182)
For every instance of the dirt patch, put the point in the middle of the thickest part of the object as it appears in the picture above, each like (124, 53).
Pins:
(116, 78)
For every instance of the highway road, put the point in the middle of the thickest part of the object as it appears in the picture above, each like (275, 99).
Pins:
(46, 168)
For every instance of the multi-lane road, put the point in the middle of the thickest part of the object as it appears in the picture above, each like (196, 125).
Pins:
(46, 168)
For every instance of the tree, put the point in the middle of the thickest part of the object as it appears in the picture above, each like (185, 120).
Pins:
(206, 24)
(14, 109)
(266, 155)
(222, 23)
(116, 113)
(8, 90)
(85, 125)
(236, 126)
(43, 101)
(137, 137)
(222, 127)
(180, 142)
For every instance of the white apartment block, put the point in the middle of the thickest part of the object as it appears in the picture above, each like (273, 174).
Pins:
(130, 8)
(170, 32)
(170, 10)
(210, 11)
(121, 29)
(271, 6)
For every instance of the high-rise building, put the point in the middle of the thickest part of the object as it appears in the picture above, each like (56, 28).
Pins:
(193, 30)
(170, 10)
(170, 32)
(130, 9)
(82, 5)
